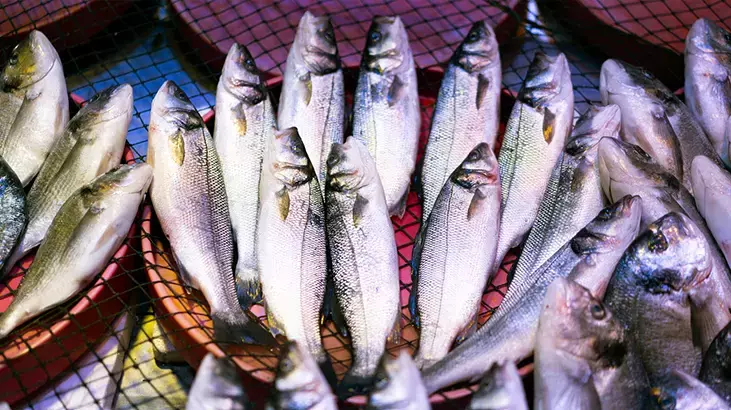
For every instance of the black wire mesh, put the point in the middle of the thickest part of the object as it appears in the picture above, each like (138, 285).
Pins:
(145, 42)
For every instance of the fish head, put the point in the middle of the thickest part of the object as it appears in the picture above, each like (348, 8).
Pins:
(619, 80)
(548, 80)
(124, 180)
(289, 161)
(350, 167)
(217, 385)
(240, 76)
(315, 44)
(498, 386)
(29, 62)
(613, 229)
(104, 106)
(677, 390)
(387, 46)
(706, 37)
(478, 50)
(480, 168)
(394, 381)
(598, 121)
(298, 377)
(172, 112)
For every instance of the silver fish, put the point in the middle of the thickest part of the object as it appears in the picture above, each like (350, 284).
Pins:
(534, 139)
(467, 111)
(35, 105)
(454, 254)
(364, 258)
(313, 94)
(589, 258)
(500, 389)
(292, 223)
(681, 391)
(716, 367)
(712, 187)
(299, 383)
(398, 385)
(217, 386)
(708, 81)
(13, 211)
(386, 112)
(244, 122)
(91, 144)
(88, 229)
(189, 197)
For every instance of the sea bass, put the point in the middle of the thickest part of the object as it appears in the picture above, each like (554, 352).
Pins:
(386, 112)
(467, 111)
(716, 367)
(398, 385)
(13, 212)
(217, 386)
(299, 383)
(500, 389)
(88, 229)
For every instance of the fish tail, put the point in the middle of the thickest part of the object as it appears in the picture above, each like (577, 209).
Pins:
(248, 287)
(234, 327)
(18, 253)
(353, 385)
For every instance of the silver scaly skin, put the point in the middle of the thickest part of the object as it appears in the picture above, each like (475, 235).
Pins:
(716, 367)
(386, 111)
(35, 105)
(679, 390)
(467, 111)
(86, 232)
(712, 187)
(13, 211)
(313, 95)
(534, 139)
(217, 386)
(708, 81)
(398, 385)
(91, 144)
(500, 389)
(453, 255)
(244, 122)
(589, 259)
(299, 383)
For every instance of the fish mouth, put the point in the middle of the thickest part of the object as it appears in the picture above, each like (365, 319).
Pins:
(251, 93)
(473, 61)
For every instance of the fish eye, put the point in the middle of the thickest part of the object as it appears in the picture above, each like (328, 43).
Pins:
(658, 243)
(94, 98)
(249, 62)
(642, 154)
(605, 214)
(286, 365)
(597, 311)
(375, 36)
(666, 402)
(473, 156)
(473, 36)
(381, 382)
(13, 59)
(328, 34)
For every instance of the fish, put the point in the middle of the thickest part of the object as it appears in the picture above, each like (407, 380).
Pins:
(589, 258)
(364, 259)
(454, 254)
(534, 139)
(313, 94)
(708, 81)
(576, 336)
(244, 122)
(217, 386)
(654, 118)
(13, 212)
(398, 385)
(500, 389)
(681, 391)
(467, 111)
(92, 144)
(35, 105)
(716, 366)
(84, 235)
(573, 196)
(386, 111)
(189, 197)
(292, 223)
(299, 384)
(712, 187)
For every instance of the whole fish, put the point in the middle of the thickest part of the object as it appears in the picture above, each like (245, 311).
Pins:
(716, 367)
(681, 391)
(454, 254)
(576, 337)
(35, 105)
(467, 111)
(13, 211)
(708, 81)
(244, 122)
(189, 197)
(534, 139)
(299, 383)
(574, 194)
(292, 223)
(649, 293)
(654, 118)
(88, 229)
(588, 258)
(217, 386)
(313, 94)
(386, 112)
(364, 258)
(500, 389)
(91, 144)
(398, 385)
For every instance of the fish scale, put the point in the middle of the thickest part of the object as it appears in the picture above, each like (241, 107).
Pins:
(13, 216)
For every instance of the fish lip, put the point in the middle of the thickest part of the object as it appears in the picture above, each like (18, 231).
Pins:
(605, 82)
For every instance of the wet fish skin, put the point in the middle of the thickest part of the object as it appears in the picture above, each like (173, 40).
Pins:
(454, 254)
(534, 139)
(708, 81)
(217, 386)
(398, 385)
(299, 383)
(679, 390)
(313, 94)
(35, 105)
(13, 214)
(86, 232)
(292, 223)
(500, 389)
(589, 259)
(364, 258)
(386, 111)
(92, 144)
(189, 197)
(467, 111)
(244, 122)
(712, 187)
(716, 366)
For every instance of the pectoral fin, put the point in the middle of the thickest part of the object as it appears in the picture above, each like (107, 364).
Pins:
(239, 116)
(305, 84)
(549, 125)
(283, 203)
(396, 91)
(477, 204)
(483, 84)
(359, 209)
(177, 148)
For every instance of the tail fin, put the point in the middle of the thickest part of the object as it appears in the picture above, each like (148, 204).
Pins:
(237, 326)
(248, 288)
(17, 254)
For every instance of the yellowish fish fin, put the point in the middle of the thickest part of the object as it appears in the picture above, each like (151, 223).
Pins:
(283, 203)
(477, 203)
(306, 88)
(239, 115)
(549, 125)
(177, 148)
(395, 335)
(359, 209)
(396, 91)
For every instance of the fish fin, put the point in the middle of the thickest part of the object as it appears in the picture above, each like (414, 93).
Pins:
(477, 204)
(395, 335)
(483, 84)
(283, 203)
(549, 125)
(305, 83)
(352, 385)
(469, 330)
(248, 289)
(185, 276)
(239, 116)
(275, 327)
(359, 209)
(177, 148)
(332, 310)
(399, 208)
(237, 326)
(396, 91)
(415, 260)
(33, 93)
